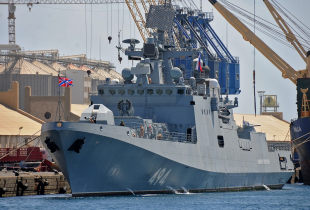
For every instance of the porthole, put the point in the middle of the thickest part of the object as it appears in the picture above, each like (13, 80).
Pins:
(47, 115)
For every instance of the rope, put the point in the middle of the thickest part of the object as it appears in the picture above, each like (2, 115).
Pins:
(20, 143)
(31, 151)
(307, 140)
(300, 137)
(18, 148)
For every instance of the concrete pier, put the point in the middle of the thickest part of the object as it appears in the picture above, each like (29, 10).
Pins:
(32, 183)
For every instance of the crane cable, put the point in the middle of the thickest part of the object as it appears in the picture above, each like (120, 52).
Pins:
(107, 20)
(86, 28)
(123, 24)
(233, 8)
(91, 28)
(277, 35)
(111, 20)
(286, 15)
(254, 68)
(268, 30)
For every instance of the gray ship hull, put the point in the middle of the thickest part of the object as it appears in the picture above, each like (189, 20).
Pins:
(120, 164)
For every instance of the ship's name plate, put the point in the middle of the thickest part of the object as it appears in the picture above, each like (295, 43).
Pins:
(263, 161)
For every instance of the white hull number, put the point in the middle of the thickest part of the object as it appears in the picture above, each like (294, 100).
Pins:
(159, 177)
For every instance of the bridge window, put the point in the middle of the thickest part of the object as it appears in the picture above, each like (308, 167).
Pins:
(101, 91)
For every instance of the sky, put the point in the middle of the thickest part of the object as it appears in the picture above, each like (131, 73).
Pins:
(79, 29)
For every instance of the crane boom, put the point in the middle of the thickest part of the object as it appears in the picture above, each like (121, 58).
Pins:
(138, 18)
(286, 30)
(32, 2)
(248, 35)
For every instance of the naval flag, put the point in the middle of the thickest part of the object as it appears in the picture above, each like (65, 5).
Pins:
(65, 82)
(198, 65)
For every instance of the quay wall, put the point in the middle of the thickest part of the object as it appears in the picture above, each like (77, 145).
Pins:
(9, 182)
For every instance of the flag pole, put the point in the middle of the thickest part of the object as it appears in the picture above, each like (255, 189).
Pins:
(58, 107)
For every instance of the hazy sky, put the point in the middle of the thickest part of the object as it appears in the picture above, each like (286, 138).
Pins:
(63, 27)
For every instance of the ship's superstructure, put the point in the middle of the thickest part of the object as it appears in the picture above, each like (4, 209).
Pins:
(161, 133)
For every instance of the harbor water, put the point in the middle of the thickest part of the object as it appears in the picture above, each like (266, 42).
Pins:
(292, 196)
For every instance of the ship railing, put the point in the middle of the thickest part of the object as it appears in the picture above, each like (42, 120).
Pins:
(150, 132)
(281, 146)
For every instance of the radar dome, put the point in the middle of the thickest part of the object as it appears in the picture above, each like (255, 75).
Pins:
(181, 66)
(175, 73)
(126, 73)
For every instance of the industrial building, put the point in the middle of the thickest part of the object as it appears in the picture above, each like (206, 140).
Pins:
(39, 70)
(18, 126)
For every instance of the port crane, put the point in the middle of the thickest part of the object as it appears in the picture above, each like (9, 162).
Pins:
(132, 5)
(224, 67)
(300, 78)
(248, 35)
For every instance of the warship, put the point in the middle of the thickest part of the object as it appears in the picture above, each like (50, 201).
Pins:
(300, 127)
(162, 133)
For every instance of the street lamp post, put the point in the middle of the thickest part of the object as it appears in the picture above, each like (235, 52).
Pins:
(19, 134)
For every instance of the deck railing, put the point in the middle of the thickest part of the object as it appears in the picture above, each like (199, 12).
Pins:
(280, 146)
(156, 132)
